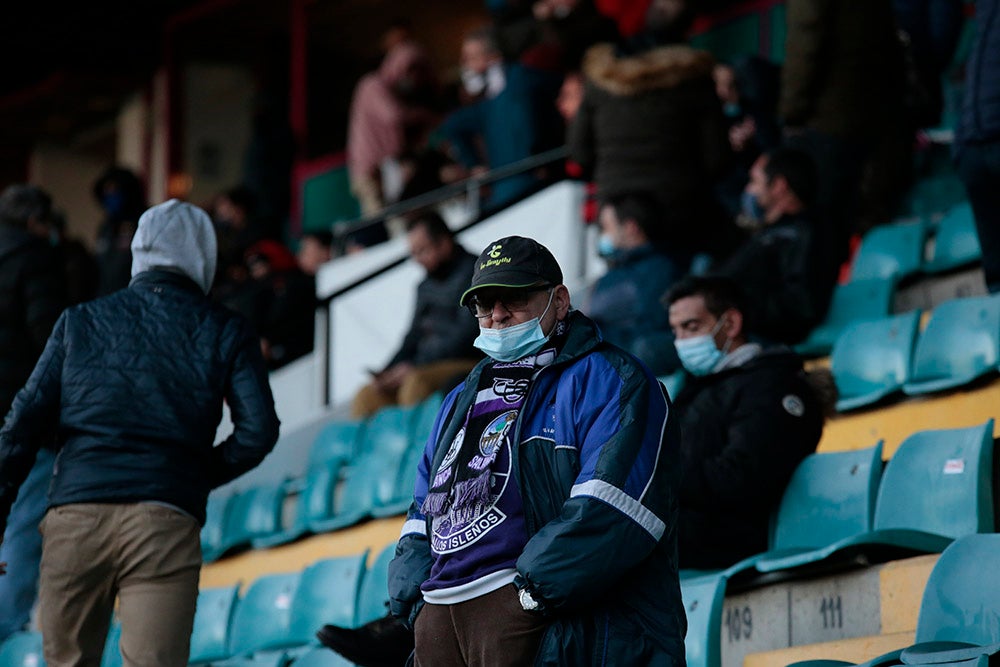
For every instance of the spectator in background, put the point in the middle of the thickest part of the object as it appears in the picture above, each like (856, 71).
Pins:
(780, 268)
(650, 122)
(383, 122)
(977, 138)
(748, 416)
(841, 91)
(31, 299)
(234, 215)
(120, 195)
(625, 301)
(315, 250)
(438, 345)
(131, 388)
(514, 118)
(79, 266)
(285, 306)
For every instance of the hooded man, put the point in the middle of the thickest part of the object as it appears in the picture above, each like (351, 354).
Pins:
(543, 527)
(131, 387)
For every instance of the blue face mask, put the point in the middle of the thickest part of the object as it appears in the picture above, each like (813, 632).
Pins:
(698, 354)
(750, 207)
(516, 342)
(605, 246)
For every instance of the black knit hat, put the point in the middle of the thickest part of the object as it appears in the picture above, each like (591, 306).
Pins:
(515, 262)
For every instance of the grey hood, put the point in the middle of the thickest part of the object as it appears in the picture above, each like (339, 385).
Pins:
(179, 237)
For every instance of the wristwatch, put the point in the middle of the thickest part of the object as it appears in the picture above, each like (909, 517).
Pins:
(528, 602)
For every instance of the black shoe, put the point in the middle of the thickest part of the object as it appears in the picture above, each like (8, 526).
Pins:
(385, 642)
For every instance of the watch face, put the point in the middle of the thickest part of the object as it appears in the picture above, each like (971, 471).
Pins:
(528, 603)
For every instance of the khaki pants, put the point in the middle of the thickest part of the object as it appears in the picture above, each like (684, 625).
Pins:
(368, 191)
(147, 555)
(490, 630)
(419, 384)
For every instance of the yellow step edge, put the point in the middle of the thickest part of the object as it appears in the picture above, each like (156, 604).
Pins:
(854, 650)
(249, 565)
(901, 587)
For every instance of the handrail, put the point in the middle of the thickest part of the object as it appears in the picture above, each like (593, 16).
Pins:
(470, 185)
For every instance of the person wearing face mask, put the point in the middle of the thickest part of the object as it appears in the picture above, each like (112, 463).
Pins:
(624, 302)
(748, 415)
(542, 529)
(787, 279)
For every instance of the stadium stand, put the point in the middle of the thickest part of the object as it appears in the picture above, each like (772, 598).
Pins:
(214, 615)
(890, 251)
(703, 599)
(22, 649)
(954, 242)
(857, 300)
(871, 359)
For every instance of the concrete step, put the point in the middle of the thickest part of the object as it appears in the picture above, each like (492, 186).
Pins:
(858, 649)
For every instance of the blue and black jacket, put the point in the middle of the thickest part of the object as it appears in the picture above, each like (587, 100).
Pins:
(596, 464)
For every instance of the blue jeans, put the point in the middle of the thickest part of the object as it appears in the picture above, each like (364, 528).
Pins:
(22, 546)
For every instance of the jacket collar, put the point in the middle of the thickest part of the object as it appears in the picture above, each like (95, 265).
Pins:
(663, 67)
(159, 278)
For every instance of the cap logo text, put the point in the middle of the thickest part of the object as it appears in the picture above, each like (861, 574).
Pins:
(495, 251)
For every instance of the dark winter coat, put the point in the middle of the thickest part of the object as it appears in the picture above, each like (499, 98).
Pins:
(743, 432)
(31, 298)
(980, 119)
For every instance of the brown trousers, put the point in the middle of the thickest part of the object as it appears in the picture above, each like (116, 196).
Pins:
(423, 381)
(489, 631)
(147, 555)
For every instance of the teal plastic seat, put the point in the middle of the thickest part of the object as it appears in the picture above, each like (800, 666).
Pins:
(370, 481)
(212, 620)
(935, 488)
(112, 656)
(396, 500)
(321, 657)
(373, 598)
(263, 617)
(936, 194)
(890, 251)
(703, 599)
(871, 360)
(956, 241)
(327, 593)
(252, 515)
(960, 344)
(312, 498)
(673, 383)
(830, 497)
(212, 533)
(853, 302)
(338, 441)
(22, 649)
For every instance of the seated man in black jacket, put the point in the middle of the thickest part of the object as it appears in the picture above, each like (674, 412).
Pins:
(781, 267)
(748, 416)
(438, 346)
(130, 387)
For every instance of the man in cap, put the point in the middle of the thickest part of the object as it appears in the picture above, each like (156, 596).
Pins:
(544, 513)
(131, 387)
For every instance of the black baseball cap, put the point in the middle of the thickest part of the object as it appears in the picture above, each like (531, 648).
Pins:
(515, 262)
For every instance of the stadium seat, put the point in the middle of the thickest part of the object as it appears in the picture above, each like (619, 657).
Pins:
(935, 488)
(312, 497)
(212, 621)
(830, 497)
(871, 360)
(263, 617)
(321, 657)
(373, 600)
(253, 514)
(389, 502)
(112, 656)
(856, 301)
(890, 251)
(703, 599)
(936, 194)
(961, 343)
(956, 242)
(22, 649)
(214, 528)
(370, 481)
(338, 441)
(327, 593)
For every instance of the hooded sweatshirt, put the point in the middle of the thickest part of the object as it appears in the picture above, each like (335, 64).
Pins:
(178, 237)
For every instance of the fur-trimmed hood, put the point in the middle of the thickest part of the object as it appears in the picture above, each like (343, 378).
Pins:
(662, 67)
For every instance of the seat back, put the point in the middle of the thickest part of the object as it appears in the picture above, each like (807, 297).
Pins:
(940, 482)
(855, 301)
(253, 513)
(956, 241)
(829, 497)
(315, 501)
(212, 620)
(703, 600)
(961, 342)
(112, 656)
(962, 597)
(213, 532)
(320, 656)
(22, 649)
(890, 251)
(388, 438)
(263, 617)
(327, 593)
(338, 441)
(871, 359)
(373, 599)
